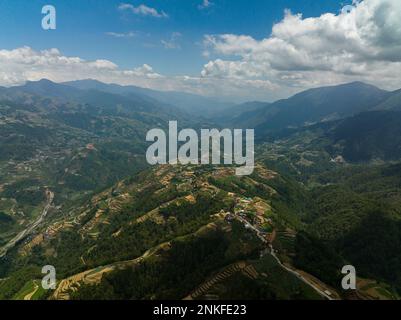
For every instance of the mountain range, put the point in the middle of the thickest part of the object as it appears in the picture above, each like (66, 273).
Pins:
(76, 193)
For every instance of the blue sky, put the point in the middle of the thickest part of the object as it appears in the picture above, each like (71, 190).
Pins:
(82, 27)
(236, 49)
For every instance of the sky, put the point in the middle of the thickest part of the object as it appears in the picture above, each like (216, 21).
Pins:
(231, 49)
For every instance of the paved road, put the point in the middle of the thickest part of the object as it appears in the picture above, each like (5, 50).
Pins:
(298, 275)
(30, 228)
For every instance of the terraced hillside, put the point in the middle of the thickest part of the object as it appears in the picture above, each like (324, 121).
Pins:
(73, 142)
(168, 229)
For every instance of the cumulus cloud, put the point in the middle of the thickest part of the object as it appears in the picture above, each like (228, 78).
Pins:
(22, 64)
(142, 10)
(359, 44)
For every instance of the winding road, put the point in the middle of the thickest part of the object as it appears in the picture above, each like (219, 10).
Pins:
(298, 275)
(31, 227)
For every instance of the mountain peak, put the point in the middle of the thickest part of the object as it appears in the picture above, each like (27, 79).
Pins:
(41, 81)
(345, 86)
(88, 81)
(359, 84)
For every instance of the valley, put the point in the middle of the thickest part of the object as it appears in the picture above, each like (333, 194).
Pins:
(76, 193)
(31, 228)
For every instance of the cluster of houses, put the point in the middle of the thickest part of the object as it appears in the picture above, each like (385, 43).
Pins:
(244, 212)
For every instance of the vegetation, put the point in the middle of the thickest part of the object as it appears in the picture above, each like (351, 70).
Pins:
(171, 276)
(327, 170)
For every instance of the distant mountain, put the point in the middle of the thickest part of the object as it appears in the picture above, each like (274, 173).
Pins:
(315, 105)
(117, 229)
(240, 114)
(368, 136)
(391, 103)
(109, 101)
(365, 137)
(92, 138)
(191, 103)
(48, 88)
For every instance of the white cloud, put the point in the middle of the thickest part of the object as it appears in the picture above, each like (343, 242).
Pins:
(205, 4)
(143, 10)
(300, 53)
(172, 43)
(22, 64)
(364, 44)
(129, 34)
(144, 71)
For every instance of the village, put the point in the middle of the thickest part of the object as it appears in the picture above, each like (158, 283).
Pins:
(254, 215)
